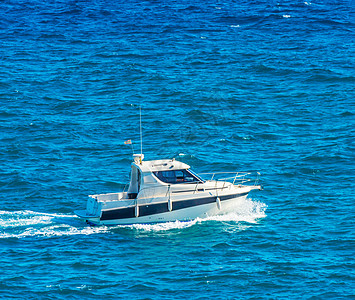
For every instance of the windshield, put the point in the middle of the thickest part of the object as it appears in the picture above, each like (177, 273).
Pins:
(177, 176)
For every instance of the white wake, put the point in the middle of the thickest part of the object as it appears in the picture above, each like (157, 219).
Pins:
(22, 224)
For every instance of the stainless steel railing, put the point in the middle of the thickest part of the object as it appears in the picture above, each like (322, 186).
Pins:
(238, 178)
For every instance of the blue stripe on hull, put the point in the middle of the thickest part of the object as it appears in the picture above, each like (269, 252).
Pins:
(153, 209)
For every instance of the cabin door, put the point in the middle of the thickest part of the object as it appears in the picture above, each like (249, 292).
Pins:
(139, 181)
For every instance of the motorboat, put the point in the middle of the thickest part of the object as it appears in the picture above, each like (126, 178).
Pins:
(168, 190)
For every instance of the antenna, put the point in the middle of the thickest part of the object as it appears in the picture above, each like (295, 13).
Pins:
(140, 128)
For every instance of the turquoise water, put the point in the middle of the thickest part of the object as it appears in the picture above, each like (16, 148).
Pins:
(224, 86)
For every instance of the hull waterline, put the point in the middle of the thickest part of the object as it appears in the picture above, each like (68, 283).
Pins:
(212, 208)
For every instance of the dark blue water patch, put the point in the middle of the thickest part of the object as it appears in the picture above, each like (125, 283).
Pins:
(347, 114)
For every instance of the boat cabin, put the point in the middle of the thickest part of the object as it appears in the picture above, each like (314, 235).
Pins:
(158, 173)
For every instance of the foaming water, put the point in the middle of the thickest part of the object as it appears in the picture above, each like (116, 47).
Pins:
(250, 211)
(21, 224)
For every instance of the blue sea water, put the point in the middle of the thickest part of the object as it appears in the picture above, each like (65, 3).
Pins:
(264, 86)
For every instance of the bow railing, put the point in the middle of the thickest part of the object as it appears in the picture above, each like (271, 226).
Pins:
(237, 178)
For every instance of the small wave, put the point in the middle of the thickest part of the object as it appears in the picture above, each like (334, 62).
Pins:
(346, 114)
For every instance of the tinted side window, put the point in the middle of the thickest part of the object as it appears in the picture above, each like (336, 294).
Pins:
(166, 176)
(178, 176)
(169, 176)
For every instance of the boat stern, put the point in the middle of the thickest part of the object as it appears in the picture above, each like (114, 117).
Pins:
(83, 214)
(92, 213)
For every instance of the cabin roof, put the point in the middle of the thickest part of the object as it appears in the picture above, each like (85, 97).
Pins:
(161, 165)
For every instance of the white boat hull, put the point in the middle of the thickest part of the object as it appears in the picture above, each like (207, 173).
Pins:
(216, 206)
(167, 191)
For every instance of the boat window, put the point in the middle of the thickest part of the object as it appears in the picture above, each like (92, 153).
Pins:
(199, 178)
(177, 176)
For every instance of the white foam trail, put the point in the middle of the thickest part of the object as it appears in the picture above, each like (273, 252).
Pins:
(250, 212)
(21, 224)
(22, 218)
(26, 218)
(161, 226)
(54, 231)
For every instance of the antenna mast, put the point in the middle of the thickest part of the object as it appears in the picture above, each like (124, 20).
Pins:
(140, 128)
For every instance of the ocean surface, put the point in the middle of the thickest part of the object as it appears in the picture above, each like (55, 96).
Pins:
(265, 86)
